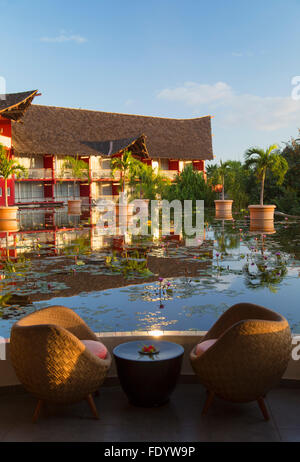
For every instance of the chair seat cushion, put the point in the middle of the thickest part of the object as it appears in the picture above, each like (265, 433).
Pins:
(204, 346)
(97, 348)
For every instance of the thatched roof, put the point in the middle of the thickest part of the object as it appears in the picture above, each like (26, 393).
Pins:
(52, 130)
(14, 105)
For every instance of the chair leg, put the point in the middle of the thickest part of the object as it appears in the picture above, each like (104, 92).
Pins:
(92, 405)
(263, 408)
(37, 410)
(209, 400)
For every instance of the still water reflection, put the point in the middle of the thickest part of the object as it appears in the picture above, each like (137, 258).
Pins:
(125, 283)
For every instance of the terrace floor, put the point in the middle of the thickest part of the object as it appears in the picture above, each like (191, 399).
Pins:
(178, 421)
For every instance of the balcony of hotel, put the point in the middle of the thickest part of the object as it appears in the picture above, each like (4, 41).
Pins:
(170, 174)
(105, 174)
(36, 174)
(67, 174)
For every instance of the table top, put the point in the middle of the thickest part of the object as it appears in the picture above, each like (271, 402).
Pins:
(130, 350)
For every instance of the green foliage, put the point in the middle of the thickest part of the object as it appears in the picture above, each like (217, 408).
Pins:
(190, 185)
(8, 167)
(143, 180)
(261, 161)
(217, 174)
(146, 183)
(127, 165)
(79, 168)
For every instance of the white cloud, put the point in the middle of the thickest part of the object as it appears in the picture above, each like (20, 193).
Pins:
(194, 94)
(64, 38)
(260, 113)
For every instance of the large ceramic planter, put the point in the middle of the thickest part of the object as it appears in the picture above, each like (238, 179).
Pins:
(263, 227)
(9, 225)
(262, 212)
(8, 213)
(262, 218)
(74, 206)
(224, 209)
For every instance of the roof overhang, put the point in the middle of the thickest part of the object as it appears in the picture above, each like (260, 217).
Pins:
(14, 105)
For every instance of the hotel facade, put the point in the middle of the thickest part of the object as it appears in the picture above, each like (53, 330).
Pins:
(40, 137)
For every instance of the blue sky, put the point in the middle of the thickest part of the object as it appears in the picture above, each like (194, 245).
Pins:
(232, 59)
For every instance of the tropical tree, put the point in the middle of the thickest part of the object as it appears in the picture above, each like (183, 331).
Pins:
(217, 174)
(261, 161)
(146, 183)
(78, 167)
(8, 167)
(190, 185)
(126, 165)
(238, 179)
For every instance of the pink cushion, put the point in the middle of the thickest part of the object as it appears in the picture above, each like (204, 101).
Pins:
(204, 346)
(97, 348)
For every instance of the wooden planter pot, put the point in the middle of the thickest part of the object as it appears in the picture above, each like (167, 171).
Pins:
(224, 209)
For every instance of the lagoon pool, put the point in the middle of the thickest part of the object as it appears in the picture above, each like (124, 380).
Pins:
(123, 283)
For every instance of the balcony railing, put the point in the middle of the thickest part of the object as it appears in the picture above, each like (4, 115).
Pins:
(171, 174)
(104, 173)
(67, 174)
(27, 200)
(36, 174)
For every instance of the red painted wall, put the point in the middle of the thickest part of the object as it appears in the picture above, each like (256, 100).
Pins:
(84, 190)
(5, 130)
(48, 190)
(115, 190)
(174, 165)
(198, 165)
(11, 185)
(48, 162)
(5, 127)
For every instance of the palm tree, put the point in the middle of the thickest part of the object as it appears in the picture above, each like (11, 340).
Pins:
(263, 160)
(124, 164)
(8, 167)
(78, 167)
(146, 182)
(217, 174)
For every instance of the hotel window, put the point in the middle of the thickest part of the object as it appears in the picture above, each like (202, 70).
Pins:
(105, 164)
(107, 190)
(66, 190)
(0, 192)
(164, 164)
(8, 192)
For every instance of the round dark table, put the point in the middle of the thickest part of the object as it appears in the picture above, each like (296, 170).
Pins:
(148, 380)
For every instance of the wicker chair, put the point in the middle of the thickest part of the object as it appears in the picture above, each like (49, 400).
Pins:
(51, 361)
(248, 358)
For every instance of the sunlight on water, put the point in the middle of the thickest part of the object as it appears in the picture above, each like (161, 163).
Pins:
(132, 283)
